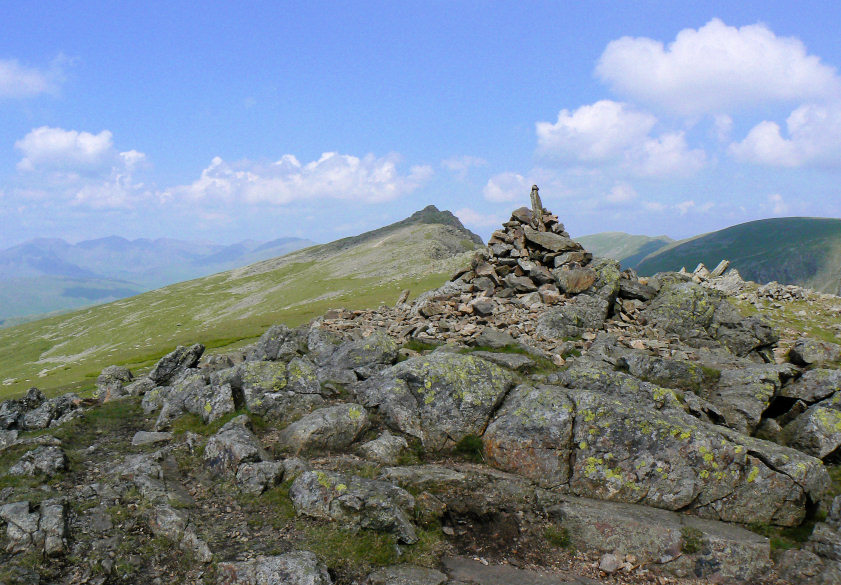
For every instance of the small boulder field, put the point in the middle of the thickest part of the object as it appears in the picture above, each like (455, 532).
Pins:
(544, 417)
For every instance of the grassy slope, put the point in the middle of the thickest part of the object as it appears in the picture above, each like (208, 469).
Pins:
(229, 307)
(795, 250)
(628, 249)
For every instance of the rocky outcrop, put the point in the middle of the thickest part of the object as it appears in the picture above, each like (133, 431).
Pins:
(295, 568)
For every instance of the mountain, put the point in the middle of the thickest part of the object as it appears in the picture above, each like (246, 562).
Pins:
(789, 250)
(628, 249)
(48, 274)
(418, 253)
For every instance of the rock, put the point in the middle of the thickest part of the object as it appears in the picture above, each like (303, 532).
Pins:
(825, 541)
(406, 575)
(44, 461)
(522, 284)
(807, 352)
(168, 522)
(278, 342)
(376, 349)
(494, 338)
(610, 563)
(634, 289)
(675, 543)
(385, 449)
(295, 568)
(463, 570)
(141, 438)
(7, 439)
(741, 335)
(355, 502)
(512, 361)
(302, 377)
(264, 391)
(585, 312)
(816, 432)
(232, 445)
(744, 393)
(439, 398)
(483, 307)
(176, 363)
(574, 280)
(110, 383)
(550, 241)
(192, 394)
(532, 435)
(813, 385)
(36, 529)
(684, 309)
(326, 429)
(49, 411)
(255, 478)
(802, 567)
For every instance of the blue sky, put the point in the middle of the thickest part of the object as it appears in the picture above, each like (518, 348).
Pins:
(262, 120)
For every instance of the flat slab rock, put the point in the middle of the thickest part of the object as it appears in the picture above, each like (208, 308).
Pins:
(466, 570)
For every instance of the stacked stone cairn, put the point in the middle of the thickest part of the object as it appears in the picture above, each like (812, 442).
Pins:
(533, 254)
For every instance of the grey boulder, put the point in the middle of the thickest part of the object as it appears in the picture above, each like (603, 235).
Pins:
(295, 568)
(326, 429)
(232, 445)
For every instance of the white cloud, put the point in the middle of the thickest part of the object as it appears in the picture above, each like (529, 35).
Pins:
(334, 176)
(613, 132)
(716, 68)
(505, 187)
(79, 168)
(56, 148)
(472, 217)
(594, 133)
(621, 193)
(20, 81)
(684, 206)
(814, 139)
(723, 127)
(460, 165)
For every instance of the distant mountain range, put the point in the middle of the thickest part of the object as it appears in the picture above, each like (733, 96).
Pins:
(790, 250)
(49, 274)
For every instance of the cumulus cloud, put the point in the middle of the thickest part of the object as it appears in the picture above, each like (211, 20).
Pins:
(56, 148)
(716, 68)
(814, 139)
(505, 187)
(777, 204)
(81, 168)
(20, 81)
(613, 132)
(333, 176)
(621, 193)
(460, 165)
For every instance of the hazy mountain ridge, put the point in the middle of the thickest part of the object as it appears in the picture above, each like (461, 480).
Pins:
(628, 249)
(49, 274)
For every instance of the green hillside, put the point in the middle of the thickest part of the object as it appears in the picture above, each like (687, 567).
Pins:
(628, 249)
(790, 250)
(232, 307)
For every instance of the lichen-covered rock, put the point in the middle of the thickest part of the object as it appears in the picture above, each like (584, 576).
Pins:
(816, 432)
(583, 313)
(744, 393)
(676, 543)
(802, 567)
(741, 335)
(813, 385)
(255, 478)
(110, 383)
(378, 349)
(807, 352)
(46, 461)
(685, 309)
(439, 398)
(175, 363)
(574, 280)
(532, 435)
(295, 568)
(385, 449)
(278, 343)
(608, 277)
(302, 377)
(266, 390)
(49, 412)
(40, 528)
(355, 502)
(232, 445)
(142, 438)
(326, 429)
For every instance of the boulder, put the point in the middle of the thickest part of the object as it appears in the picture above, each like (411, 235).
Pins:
(684, 309)
(674, 543)
(550, 241)
(255, 478)
(45, 461)
(741, 335)
(232, 445)
(802, 567)
(40, 528)
(355, 502)
(110, 383)
(302, 377)
(142, 438)
(176, 363)
(385, 449)
(574, 280)
(326, 429)
(807, 352)
(634, 289)
(744, 393)
(813, 385)
(439, 398)
(294, 568)
(406, 575)
(585, 312)
(816, 432)
(277, 343)
(376, 349)
(49, 412)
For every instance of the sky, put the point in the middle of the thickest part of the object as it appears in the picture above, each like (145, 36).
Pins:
(224, 121)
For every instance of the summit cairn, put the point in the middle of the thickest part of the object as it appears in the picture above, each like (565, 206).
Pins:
(531, 254)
